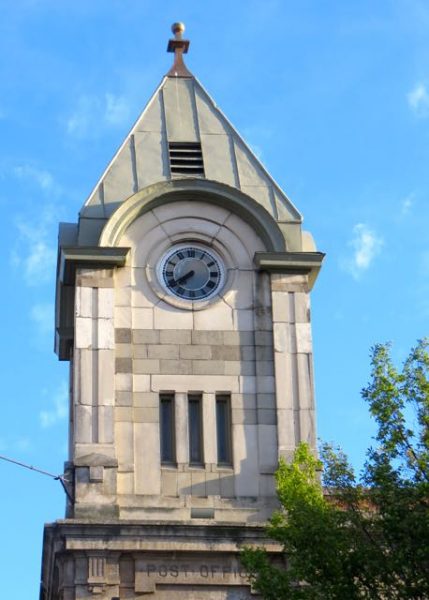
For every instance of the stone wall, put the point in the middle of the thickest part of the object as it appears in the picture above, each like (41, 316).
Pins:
(133, 343)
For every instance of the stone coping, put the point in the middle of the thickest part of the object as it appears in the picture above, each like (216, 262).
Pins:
(296, 263)
(158, 536)
(88, 256)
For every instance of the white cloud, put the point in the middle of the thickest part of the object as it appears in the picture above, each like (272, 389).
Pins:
(418, 100)
(43, 316)
(117, 110)
(93, 113)
(59, 408)
(33, 254)
(406, 204)
(42, 178)
(366, 245)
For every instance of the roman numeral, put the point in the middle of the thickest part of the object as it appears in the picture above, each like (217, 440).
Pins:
(191, 253)
(214, 274)
(181, 255)
(210, 284)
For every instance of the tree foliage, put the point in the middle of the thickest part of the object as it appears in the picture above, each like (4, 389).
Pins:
(366, 537)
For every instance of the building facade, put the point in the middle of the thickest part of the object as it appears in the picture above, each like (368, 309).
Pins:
(183, 309)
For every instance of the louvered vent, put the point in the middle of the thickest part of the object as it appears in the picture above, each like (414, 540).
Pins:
(186, 158)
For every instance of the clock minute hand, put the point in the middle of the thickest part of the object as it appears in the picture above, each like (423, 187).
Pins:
(184, 277)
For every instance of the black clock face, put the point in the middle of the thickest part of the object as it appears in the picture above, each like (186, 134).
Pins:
(191, 272)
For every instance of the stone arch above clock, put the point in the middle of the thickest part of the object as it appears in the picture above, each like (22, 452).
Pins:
(193, 191)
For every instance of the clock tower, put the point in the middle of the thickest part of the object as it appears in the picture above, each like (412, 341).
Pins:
(182, 307)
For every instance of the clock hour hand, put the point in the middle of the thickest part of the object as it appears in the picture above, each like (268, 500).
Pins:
(184, 277)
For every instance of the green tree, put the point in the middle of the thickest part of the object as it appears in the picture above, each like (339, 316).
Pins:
(366, 537)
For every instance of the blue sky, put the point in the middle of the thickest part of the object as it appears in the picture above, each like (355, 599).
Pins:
(332, 96)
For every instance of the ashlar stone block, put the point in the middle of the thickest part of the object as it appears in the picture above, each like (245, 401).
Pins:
(140, 351)
(285, 380)
(216, 317)
(303, 338)
(181, 367)
(123, 350)
(239, 367)
(243, 401)
(146, 366)
(123, 296)
(281, 282)
(267, 442)
(305, 386)
(146, 336)
(123, 365)
(307, 426)
(302, 307)
(245, 233)
(146, 415)
(105, 303)
(123, 336)
(105, 424)
(146, 399)
(244, 320)
(147, 458)
(123, 317)
(244, 416)
(241, 295)
(245, 447)
(265, 384)
(281, 307)
(195, 352)
(194, 383)
(174, 336)
(142, 318)
(84, 332)
(167, 317)
(142, 383)
(123, 382)
(83, 424)
(212, 484)
(266, 416)
(170, 351)
(206, 367)
(105, 334)
(212, 338)
(124, 399)
(265, 367)
(169, 482)
(84, 302)
(124, 435)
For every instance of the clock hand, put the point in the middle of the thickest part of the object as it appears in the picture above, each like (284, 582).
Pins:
(184, 277)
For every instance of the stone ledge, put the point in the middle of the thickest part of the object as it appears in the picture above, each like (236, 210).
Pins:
(297, 263)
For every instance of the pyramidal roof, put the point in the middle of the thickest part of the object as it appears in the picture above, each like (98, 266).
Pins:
(182, 117)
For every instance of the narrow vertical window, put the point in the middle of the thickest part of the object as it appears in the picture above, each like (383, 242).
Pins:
(195, 429)
(166, 421)
(223, 429)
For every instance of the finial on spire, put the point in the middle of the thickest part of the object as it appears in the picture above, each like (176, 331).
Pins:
(180, 47)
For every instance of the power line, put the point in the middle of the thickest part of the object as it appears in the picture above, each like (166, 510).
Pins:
(59, 478)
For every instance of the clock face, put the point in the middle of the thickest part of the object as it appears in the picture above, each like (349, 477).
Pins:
(191, 272)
